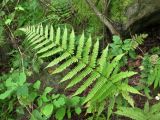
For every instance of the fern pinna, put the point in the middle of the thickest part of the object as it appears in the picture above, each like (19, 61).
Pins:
(98, 70)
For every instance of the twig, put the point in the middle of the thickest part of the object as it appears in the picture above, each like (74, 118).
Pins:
(102, 18)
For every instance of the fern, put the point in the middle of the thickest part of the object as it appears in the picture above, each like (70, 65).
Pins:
(148, 113)
(138, 40)
(99, 71)
(151, 70)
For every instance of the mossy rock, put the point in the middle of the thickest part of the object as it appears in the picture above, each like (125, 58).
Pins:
(135, 14)
(143, 13)
(118, 10)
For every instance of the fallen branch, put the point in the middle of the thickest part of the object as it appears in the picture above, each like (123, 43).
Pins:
(103, 18)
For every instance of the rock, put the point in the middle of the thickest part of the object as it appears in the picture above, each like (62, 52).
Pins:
(142, 13)
(137, 15)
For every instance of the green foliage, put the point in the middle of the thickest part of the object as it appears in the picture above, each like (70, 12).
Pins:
(62, 44)
(84, 16)
(86, 68)
(58, 104)
(118, 8)
(126, 46)
(118, 46)
(138, 40)
(150, 70)
(148, 113)
(15, 83)
(15, 89)
(62, 10)
(25, 61)
(2, 41)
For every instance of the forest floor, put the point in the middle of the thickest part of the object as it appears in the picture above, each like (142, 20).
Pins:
(153, 40)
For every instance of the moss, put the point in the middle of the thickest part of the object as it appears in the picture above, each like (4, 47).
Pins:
(118, 8)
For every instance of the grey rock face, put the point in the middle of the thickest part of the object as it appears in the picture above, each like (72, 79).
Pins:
(141, 14)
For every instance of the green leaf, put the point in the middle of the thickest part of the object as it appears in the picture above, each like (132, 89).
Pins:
(60, 113)
(69, 113)
(117, 40)
(9, 83)
(22, 91)
(6, 94)
(21, 78)
(60, 102)
(128, 98)
(37, 84)
(20, 110)
(134, 113)
(127, 88)
(47, 110)
(80, 46)
(101, 107)
(48, 90)
(75, 100)
(8, 21)
(110, 107)
(36, 115)
(78, 110)
(20, 8)
(146, 107)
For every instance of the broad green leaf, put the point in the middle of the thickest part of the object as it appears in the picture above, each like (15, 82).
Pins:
(47, 110)
(37, 84)
(78, 110)
(60, 102)
(6, 94)
(60, 113)
(36, 115)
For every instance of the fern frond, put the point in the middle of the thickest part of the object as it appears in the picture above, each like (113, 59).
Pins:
(64, 39)
(51, 34)
(65, 65)
(51, 52)
(58, 33)
(125, 87)
(87, 49)
(135, 114)
(127, 97)
(75, 70)
(94, 54)
(103, 72)
(77, 79)
(46, 48)
(41, 30)
(110, 107)
(98, 85)
(80, 46)
(59, 59)
(117, 77)
(34, 38)
(102, 61)
(37, 29)
(113, 64)
(41, 44)
(87, 83)
(46, 32)
(40, 39)
(72, 42)
(102, 93)
(155, 108)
